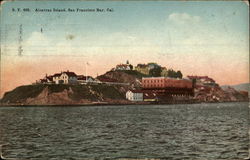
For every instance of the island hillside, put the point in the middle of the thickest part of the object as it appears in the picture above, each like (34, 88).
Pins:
(57, 94)
(111, 88)
(43, 94)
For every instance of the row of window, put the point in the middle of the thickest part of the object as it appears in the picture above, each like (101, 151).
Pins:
(153, 81)
(64, 77)
(154, 85)
(160, 85)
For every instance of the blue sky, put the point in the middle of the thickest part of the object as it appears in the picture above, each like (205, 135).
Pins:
(140, 17)
(200, 38)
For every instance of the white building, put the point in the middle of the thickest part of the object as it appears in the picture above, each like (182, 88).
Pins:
(65, 78)
(122, 67)
(134, 95)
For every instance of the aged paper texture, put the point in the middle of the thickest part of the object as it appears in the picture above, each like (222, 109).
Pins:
(124, 80)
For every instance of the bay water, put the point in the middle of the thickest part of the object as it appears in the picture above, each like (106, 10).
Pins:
(182, 131)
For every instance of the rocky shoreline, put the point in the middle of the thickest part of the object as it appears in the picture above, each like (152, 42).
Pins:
(118, 103)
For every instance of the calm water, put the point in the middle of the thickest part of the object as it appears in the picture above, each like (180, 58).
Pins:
(196, 131)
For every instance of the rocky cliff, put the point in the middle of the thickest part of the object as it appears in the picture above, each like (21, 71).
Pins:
(217, 94)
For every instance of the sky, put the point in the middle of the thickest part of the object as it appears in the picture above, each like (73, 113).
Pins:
(198, 37)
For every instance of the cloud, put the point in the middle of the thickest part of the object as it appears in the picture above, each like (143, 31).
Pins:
(184, 18)
(36, 44)
(37, 38)
(117, 43)
(40, 44)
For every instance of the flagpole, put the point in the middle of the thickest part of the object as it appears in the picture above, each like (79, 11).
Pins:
(86, 71)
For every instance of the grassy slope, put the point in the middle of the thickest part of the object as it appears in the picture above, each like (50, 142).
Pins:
(22, 92)
(134, 73)
(91, 92)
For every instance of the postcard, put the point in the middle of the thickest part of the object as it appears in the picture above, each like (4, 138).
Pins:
(124, 80)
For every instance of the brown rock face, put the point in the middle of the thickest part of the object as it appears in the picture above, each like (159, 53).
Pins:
(45, 97)
(216, 94)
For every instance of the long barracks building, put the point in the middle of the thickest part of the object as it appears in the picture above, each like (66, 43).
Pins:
(168, 86)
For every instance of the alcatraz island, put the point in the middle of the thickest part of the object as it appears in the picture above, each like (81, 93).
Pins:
(148, 83)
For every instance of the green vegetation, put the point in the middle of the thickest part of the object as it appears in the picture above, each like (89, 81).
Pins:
(131, 66)
(160, 71)
(76, 92)
(174, 74)
(153, 63)
(58, 88)
(22, 93)
(94, 92)
(107, 91)
(81, 92)
(155, 72)
(135, 73)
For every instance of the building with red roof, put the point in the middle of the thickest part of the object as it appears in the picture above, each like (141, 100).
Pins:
(83, 79)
